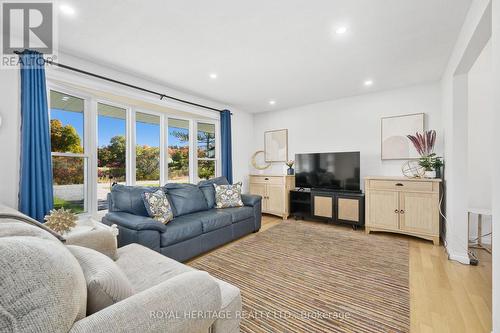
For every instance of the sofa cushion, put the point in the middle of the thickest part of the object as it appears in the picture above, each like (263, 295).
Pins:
(129, 199)
(158, 206)
(42, 286)
(133, 222)
(186, 198)
(11, 227)
(106, 284)
(207, 187)
(146, 268)
(180, 229)
(228, 196)
(239, 213)
(212, 219)
(11, 213)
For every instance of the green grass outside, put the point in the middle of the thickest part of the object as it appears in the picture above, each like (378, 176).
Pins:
(75, 207)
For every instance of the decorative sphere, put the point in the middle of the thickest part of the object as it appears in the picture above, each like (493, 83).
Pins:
(411, 169)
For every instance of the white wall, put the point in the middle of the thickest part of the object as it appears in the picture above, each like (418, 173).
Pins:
(10, 112)
(495, 43)
(352, 124)
(454, 105)
(480, 137)
(9, 136)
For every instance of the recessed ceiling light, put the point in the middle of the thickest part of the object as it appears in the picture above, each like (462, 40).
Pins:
(213, 76)
(341, 30)
(272, 102)
(368, 83)
(68, 10)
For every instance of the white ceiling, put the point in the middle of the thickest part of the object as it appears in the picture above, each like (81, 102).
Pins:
(283, 50)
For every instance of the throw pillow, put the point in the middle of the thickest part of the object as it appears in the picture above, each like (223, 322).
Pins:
(106, 283)
(42, 286)
(227, 196)
(158, 206)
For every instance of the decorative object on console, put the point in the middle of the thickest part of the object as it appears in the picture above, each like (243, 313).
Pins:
(395, 144)
(256, 164)
(228, 196)
(158, 206)
(61, 220)
(412, 169)
(276, 145)
(290, 170)
(424, 144)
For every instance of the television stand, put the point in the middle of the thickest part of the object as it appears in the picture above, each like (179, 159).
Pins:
(328, 206)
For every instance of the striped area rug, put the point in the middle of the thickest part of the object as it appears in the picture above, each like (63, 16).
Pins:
(313, 277)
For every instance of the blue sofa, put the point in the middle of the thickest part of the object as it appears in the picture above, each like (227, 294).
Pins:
(197, 226)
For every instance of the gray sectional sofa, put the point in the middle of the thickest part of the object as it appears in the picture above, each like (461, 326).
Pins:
(47, 288)
(197, 226)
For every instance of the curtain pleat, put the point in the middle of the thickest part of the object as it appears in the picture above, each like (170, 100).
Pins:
(227, 158)
(35, 186)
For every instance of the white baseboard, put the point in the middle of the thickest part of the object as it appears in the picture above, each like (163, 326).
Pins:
(460, 257)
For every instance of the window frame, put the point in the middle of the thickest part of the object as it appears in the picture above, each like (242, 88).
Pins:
(217, 146)
(87, 141)
(95, 104)
(163, 158)
(90, 140)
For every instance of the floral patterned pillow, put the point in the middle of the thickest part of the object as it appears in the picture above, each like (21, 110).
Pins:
(158, 206)
(227, 196)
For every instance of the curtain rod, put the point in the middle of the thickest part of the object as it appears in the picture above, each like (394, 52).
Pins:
(162, 96)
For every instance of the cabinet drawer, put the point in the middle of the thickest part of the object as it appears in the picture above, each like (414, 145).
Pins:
(267, 180)
(401, 185)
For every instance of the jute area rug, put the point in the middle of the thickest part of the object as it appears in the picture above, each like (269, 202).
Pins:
(313, 277)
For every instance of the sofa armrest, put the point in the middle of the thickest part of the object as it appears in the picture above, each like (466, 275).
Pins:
(134, 222)
(251, 199)
(254, 201)
(185, 303)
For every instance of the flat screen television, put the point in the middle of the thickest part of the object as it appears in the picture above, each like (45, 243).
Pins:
(328, 171)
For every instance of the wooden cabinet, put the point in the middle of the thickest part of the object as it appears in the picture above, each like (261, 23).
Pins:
(404, 206)
(274, 191)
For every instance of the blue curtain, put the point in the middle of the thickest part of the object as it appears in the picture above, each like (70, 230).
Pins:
(35, 188)
(227, 156)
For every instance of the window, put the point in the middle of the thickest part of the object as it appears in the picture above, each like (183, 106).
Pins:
(111, 150)
(178, 151)
(69, 160)
(147, 151)
(97, 143)
(206, 156)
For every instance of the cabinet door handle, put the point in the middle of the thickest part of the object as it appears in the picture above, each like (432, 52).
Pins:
(396, 211)
(399, 184)
(402, 211)
(266, 178)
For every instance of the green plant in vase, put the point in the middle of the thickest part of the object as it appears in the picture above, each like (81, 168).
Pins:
(424, 144)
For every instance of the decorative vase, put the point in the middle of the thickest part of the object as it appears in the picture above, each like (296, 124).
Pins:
(438, 173)
(290, 171)
(430, 174)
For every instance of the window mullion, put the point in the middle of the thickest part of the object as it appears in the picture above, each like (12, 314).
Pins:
(193, 163)
(130, 147)
(91, 151)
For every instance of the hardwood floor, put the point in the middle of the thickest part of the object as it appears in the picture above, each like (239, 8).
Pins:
(445, 296)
